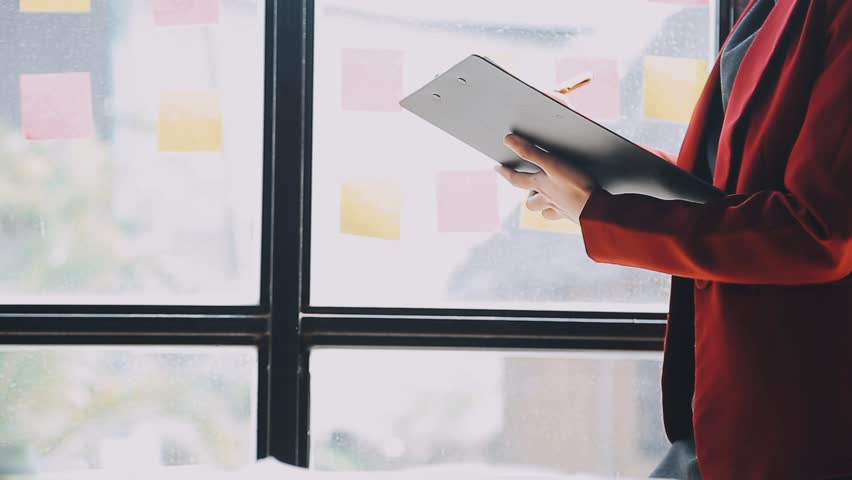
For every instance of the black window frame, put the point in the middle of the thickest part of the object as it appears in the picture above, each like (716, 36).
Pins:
(284, 326)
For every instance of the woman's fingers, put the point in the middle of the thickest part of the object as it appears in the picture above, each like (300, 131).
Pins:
(551, 214)
(550, 164)
(530, 152)
(564, 186)
(526, 181)
(538, 202)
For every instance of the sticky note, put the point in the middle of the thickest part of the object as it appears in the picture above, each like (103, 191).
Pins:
(56, 6)
(371, 79)
(600, 100)
(467, 202)
(672, 87)
(371, 207)
(57, 106)
(531, 220)
(185, 12)
(190, 121)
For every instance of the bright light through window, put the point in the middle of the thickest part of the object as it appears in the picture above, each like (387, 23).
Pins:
(592, 412)
(403, 215)
(131, 142)
(123, 408)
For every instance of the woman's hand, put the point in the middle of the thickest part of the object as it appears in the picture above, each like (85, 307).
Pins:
(558, 191)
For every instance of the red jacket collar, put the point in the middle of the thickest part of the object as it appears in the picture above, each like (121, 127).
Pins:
(755, 63)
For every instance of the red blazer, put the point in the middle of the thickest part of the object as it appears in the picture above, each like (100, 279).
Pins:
(764, 333)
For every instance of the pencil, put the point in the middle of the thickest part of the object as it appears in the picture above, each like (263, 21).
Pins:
(575, 82)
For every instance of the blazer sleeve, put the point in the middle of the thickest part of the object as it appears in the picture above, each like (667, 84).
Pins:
(799, 235)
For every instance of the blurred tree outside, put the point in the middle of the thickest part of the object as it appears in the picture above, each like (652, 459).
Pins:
(70, 408)
(57, 233)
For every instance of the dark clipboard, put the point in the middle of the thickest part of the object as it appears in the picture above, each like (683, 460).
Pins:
(478, 103)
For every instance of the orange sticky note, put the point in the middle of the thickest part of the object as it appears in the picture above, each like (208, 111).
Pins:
(185, 12)
(371, 208)
(534, 221)
(56, 6)
(57, 106)
(600, 100)
(467, 202)
(371, 79)
(190, 121)
(672, 87)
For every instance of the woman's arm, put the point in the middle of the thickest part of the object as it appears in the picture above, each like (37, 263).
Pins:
(800, 235)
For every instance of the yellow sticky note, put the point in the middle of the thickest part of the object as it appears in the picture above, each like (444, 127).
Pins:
(672, 87)
(190, 121)
(534, 221)
(371, 208)
(63, 6)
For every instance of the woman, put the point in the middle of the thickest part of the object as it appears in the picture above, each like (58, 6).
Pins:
(757, 375)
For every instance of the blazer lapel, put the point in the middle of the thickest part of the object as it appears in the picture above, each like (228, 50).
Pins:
(755, 63)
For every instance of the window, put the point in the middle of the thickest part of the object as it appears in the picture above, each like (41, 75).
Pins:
(134, 300)
(424, 214)
(209, 251)
(73, 408)
(570, 412)
(131, 147)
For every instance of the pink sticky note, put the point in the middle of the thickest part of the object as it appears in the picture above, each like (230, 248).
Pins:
(371, 79)
(599, 100)
(467, 202)
(57, 106)
(185, 12)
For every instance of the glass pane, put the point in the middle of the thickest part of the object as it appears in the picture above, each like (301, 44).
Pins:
(406, 216)
(77, 408)
(566, 412)
(131, 140)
